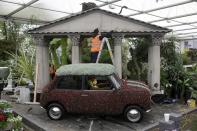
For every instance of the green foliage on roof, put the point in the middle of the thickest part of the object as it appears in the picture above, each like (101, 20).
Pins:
(86, 69)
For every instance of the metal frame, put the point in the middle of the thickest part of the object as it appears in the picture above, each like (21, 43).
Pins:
(187, 38)
(104, 4)
(161, 8)
(29, 4)
(21, 8)
(162, 18)
(186, 33)
(174, 17)
(184, 29)
(194, 22)
(25, 20)
(36, 7)
(148, 12)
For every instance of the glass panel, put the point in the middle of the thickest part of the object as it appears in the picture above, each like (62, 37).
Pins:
(144, 17)
(19, 1)
(195, 24)
(166, 23)
(189, 35)
(117, 9)
(70, 82)
(187, 31)
(187, 19)
(115, 82)
(146, 5)
(71, 6)
(39, 14)
(6, 8)
(99, 83)
(180, 27)
(177, 10)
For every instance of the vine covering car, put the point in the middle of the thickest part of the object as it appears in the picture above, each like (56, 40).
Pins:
(72, 91)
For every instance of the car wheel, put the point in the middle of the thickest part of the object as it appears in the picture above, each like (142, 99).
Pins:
(55, 111)
(133, 114)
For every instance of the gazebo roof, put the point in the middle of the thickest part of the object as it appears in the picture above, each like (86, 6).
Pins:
(106, 21)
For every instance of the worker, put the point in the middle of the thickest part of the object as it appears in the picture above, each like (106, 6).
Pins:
(95, 45)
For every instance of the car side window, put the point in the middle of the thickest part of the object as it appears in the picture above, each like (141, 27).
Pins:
(98, 83)
(70, 82)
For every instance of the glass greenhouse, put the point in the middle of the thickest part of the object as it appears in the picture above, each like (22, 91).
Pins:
(178, 15)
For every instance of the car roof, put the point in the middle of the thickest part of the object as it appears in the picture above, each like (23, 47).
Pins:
(86, 69)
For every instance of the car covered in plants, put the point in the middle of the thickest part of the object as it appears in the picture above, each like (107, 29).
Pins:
(94, 89)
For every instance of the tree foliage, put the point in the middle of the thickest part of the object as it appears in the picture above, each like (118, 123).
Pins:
(174, 79)
(65, 47)
(10, 38)
(137, 65)
(25, 67)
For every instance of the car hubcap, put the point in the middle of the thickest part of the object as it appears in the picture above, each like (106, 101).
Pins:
(133, 115)
(55, 112)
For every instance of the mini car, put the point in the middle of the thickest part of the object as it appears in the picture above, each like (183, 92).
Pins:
(71, 91)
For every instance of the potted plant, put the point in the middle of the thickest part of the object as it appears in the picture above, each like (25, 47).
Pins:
(24, 92)
(9, 120)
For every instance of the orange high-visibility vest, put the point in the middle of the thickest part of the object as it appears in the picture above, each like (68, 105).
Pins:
(95, 44)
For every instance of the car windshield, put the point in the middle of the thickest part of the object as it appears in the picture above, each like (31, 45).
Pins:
(116, 81)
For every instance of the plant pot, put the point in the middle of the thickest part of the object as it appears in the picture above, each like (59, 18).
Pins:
(166, 117)
(24, 95)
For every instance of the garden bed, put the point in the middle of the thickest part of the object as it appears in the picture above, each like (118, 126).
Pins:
(8, 119)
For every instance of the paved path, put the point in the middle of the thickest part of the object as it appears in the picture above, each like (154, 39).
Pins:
(73, 122)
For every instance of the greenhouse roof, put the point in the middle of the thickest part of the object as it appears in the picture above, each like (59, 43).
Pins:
(178, 15)
(92, 19)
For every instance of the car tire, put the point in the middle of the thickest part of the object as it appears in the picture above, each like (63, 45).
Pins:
(133, 114)
(55, 111)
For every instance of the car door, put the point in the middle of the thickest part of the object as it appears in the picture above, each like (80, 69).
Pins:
(104, 100)
(68, 90)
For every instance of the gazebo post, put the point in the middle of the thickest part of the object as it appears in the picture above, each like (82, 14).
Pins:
(154, 63)
(75, 47)
(42, 60)
(117, 39)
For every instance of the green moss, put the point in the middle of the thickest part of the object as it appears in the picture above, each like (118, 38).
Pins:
(86, 69)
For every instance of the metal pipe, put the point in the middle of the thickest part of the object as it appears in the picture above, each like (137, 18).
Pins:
(185, 29)
(23, 19)
(181, 24)
(187, 38)
(174, 17)
(36, 7)
(21, 8)
(186, 33)
(145, 12)
(160, 8)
